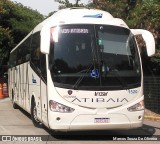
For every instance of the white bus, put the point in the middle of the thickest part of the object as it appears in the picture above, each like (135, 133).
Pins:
(80, 69)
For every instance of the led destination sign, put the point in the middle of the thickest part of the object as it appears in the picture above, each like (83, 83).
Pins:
(74, 30)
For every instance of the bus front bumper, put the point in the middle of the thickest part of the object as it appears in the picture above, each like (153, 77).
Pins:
(98, 122)
(114, 121)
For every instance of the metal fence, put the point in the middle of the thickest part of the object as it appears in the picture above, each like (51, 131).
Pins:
(152, 93)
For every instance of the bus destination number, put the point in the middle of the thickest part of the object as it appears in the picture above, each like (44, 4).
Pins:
(131, 91)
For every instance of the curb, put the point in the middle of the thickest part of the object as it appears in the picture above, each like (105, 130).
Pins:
(154, 118)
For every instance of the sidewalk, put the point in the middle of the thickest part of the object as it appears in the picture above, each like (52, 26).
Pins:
(151, 115)
(4, 99)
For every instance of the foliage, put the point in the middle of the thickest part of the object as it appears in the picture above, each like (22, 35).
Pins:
(6, 41)
(144, 14)
(50, 14)
(116, 8)
(16, 21)
(67, 4)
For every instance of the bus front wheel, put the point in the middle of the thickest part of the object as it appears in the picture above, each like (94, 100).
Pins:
(34, 117)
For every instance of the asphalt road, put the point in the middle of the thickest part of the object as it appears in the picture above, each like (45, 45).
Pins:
(18, 122)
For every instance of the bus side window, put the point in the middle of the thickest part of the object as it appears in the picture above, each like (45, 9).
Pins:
(19, 55)
(37, 58)
(22, 51)
(12, 60)
(35, 50)
(43, 66)
(26, 50)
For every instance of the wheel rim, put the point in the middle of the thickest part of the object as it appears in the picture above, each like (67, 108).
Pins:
(35, 113)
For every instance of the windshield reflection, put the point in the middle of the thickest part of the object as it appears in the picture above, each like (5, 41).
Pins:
(94, 57)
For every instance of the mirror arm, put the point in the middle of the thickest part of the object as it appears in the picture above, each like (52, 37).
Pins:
(45, 40)
(148, 38)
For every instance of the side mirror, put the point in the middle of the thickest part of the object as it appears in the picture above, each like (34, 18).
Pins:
(45, 40)
(48, 35)
(148, 38)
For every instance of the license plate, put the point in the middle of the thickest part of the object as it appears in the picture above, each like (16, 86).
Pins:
(101, 120)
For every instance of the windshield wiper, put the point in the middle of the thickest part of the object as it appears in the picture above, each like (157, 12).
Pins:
(87, 70)
(117, 76)
(81, 78)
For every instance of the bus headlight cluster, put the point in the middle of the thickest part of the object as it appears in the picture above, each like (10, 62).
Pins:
(57, 107)
(137, 107)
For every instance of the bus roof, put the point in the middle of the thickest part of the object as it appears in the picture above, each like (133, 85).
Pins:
(82, 16)
(77, 16)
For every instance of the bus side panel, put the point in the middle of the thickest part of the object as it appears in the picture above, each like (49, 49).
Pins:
(44, 103)
(18, 85)
(23, 74)
(44, 96)
(19, 82)
(34, 89)
(10, 82)
(15, 84)
(21, 86)
(26, 88)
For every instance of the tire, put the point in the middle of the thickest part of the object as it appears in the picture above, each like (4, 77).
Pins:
(34, 118)
(15, 106)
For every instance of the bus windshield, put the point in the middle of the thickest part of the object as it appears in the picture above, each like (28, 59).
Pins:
(94, 57)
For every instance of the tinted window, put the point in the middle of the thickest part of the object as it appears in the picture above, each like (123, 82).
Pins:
(35, 49)
(38, 60)
(12, 60)
(94, 57)
(21, 54)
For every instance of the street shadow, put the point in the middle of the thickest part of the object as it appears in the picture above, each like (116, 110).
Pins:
(29, 116)
(144, 131)
(24, 112)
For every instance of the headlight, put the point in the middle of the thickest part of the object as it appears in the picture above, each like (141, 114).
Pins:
(137, 107)
(57, 107)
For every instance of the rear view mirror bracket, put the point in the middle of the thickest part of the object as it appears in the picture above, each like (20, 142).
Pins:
(148, 38)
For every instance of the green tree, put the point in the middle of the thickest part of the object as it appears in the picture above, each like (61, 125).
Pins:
(22, 20)
(117, 8)
(144, 14)
(6, 42)
(67, 4)
(16, 21)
